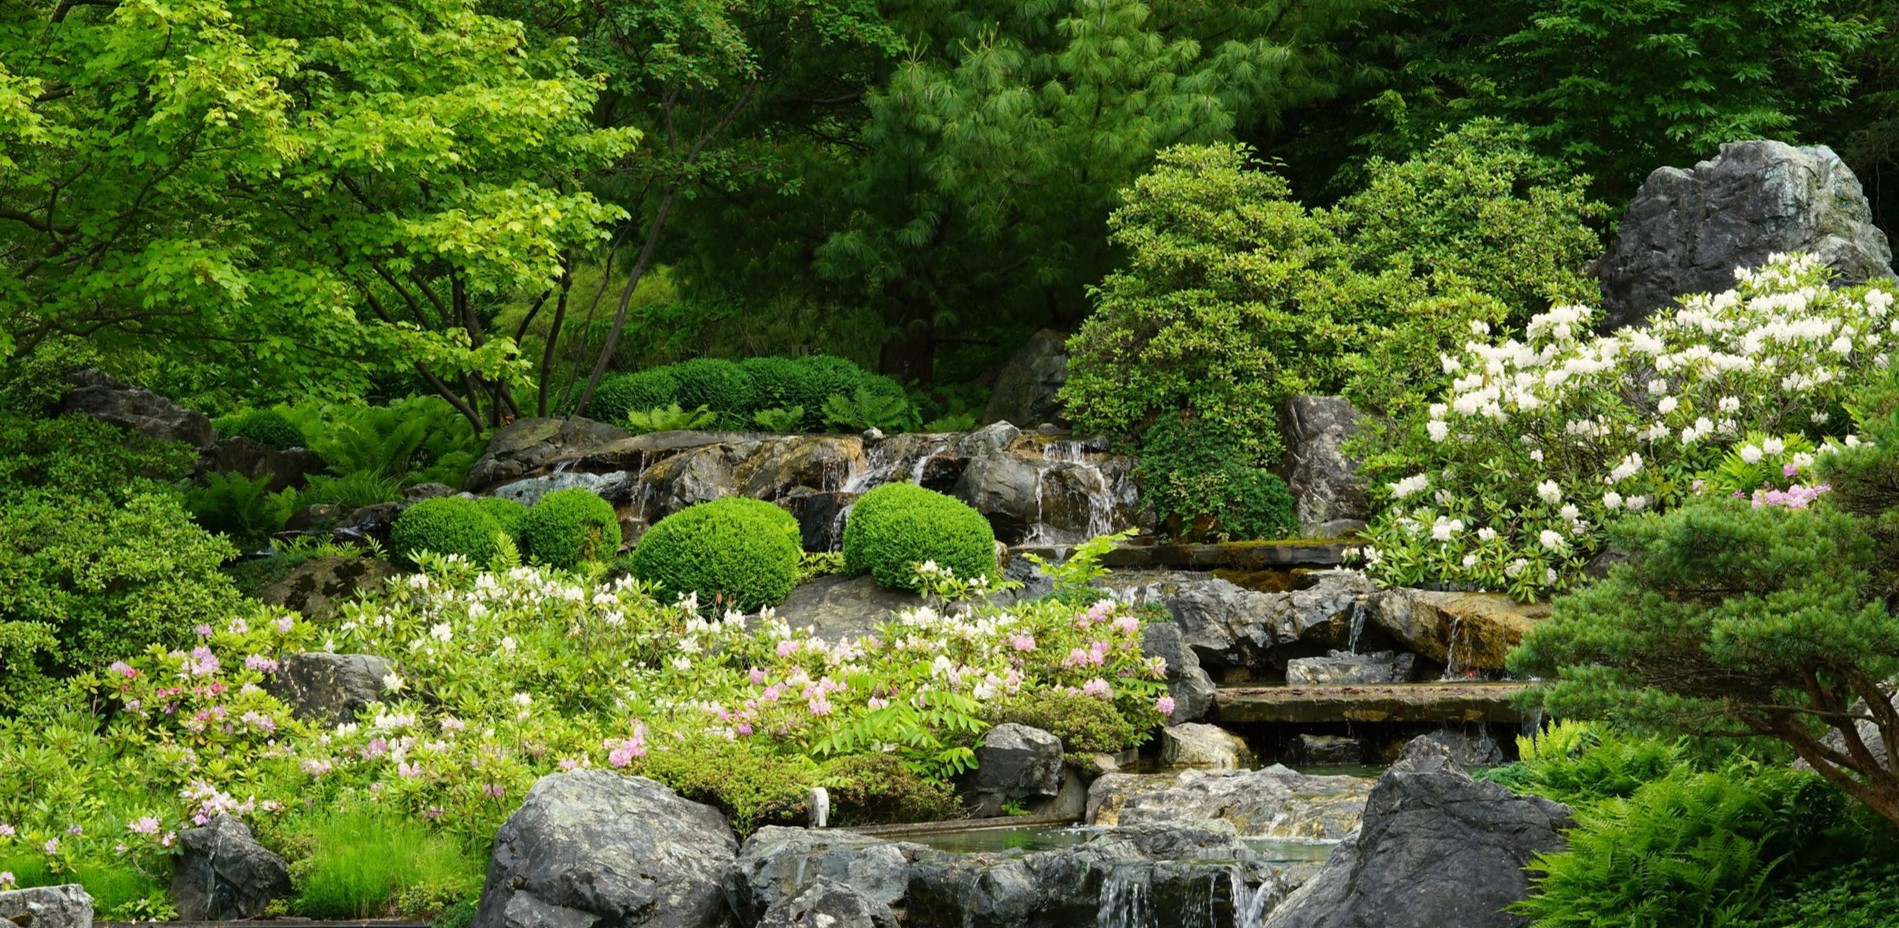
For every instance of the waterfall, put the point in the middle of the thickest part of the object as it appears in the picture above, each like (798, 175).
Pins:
(835, 540)
(1250, 904)
(1358, 625)
(1450, 651)
(1125, 899)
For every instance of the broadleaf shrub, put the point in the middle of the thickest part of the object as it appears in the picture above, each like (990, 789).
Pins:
(1086, 725)
(1196, 479)
(568, 527)
(264, 426)
(620, 394)
(898, 526)
(445, 525)
(240, 507)
(735, 552)
(718, 385)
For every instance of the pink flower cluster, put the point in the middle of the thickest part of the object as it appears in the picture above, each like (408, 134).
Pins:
(1798, 496)
(621, 751)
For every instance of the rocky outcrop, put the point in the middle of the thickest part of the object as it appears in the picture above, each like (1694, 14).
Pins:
(1206, 747)
(138, 409)
(616, 487)
(1688, 230)
(224, 874)
(281, 468)
(1238, 633)
(1326, 488)
(329, 689)
(1275, 802)
(1187, 683)
(67, 906)
(1322, 750)
(1341, 667)
(317, 587)
(1016, 762)
(825, 904)
(591, 847)
(1469, 633)
(1436, 848)
(1027, 387)
(835, 607)
(777, 864)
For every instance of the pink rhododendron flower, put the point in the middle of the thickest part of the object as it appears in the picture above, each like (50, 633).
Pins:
(1164, 705)
(1023, 642)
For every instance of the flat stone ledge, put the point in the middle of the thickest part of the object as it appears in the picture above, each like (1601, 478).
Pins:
(1395, 702)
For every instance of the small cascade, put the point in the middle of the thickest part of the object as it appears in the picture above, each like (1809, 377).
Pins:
(1126, 901)
(874, 470)
(1358, 625)
(935, 449)
(1251, 903)
(1450, 652)
(834, 539)
(1080, 489)
(560, 467)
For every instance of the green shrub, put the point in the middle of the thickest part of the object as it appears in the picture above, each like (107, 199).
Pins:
(777, 383)
(446, 525)
(420, 439)
(873, 789)
(507, 513)
(868, 407)
(1085, 724)
(1196, 478)
(822, 377)
(369, 863)
(351, 491)
(240, 507)
(264, 426)
(670, 418)
(1858, 895)
(736, 552)
(751, 784)
(568, 527)
(620, 394)
(898, 526)
(780, 421)
(719, 385)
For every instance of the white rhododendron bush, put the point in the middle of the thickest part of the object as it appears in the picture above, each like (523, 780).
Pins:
(1543, 439)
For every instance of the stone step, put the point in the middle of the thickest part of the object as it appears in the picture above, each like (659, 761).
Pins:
(1385, 702)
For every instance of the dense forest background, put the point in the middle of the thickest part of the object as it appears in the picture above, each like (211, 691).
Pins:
(246, 201)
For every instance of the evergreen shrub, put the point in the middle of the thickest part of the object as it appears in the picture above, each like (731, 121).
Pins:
(264, 426)
(895, 527)
(446, 525)
(734, 552)
(508, 513)
(1201, 488)
(568, 527)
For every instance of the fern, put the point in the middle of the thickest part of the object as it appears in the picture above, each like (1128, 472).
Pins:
(240, 507)
(671, 419)
(507, 554)
(866, 409)
(932, 731)
(782, 421)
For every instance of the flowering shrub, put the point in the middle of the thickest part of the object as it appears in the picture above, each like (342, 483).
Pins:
(1541, 440)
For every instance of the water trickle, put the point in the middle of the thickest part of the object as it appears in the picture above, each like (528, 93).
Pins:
(1125, 899)
(1450, 651)
(1250, 903)
(560, 467)
(834, 540)
(1358, 625)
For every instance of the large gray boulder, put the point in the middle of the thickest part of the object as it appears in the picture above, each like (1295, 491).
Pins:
(1275, 802)
(224, 874)
(138, 409)
(319, 586)
(329, 689)
(66, 906)
(837, 606)
(1027, 386)
(1016, 762)
(1436, 848)
(1207, 747)
(1687, 230)
(1341, 667)
(589, 847)
(1187, 682)
(827, 904)
(1239, 633)
(281, 468)
(1326, 487)
(778, 863)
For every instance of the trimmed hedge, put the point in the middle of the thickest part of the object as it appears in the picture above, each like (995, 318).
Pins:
(897, 526)
(446, 525)
(568, 527)
(509, 513)
(719, 385)
(264, 426)
(738, 390)
(734, 552)
(620, 394)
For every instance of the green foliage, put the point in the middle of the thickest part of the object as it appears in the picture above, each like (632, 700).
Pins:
(420, 439)
(895, 527)
(1581, 764)
(567, 527)
(1077, 574)
(751, 785)
(459, 914)
(351, 491)
(1234, 297)
(875, 788)
(731, 553)
(446, 525)
(265, 426)
(671, 418)
(621, 394)
(1858, 895)
(866, 409)
(719, 385)
(1085, 724)
(934, 733)
(366, 862)
(815, 564)
(507, 513)
(1193, 475)
(240, 508)
(781, 421)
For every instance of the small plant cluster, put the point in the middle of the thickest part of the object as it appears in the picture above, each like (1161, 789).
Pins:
(564, 528)
(806, 394)
(1541, 442)
(1201, 489)
(898, 526)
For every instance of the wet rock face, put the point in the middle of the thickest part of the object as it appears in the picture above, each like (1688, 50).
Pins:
(591, 847)
(1016, 762)
(1274, 802)
(224, 874)
(1207, 747)
(777, 864)
(1239, 633)
(1342, 667)
(67, 906)
(1187, 683)
(825, 904)
(1326, 488)
(1436, 848)
(1027, 388)
(1469, 633)
(329, 689)
(1687, 230)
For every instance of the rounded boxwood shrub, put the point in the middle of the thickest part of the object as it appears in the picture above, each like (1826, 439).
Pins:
(718, 385)
(264, 426)
(508, 512)
(445, 525)
(736, 552)
(777, 383)
(820, 376)
(897, 526)
(620, 394)
(569, 526)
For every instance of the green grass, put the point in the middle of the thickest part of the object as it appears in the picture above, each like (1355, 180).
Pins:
(362, 864)
(118, 890)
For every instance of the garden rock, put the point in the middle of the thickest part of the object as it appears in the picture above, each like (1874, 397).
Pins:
(1324, 480)
(1436, 848)
(1687, 230)
(825, 904)
(1341, 667)
(779, 863)
(422, 491)
(1017, 762)
(1239, 634)
(1187, 683)
(317, 587)
(1330, 749)
(1028, 385)
(526, 447)
(1469, 633)
(592, 847)
(616, 487)
(1208, 747)
(1273, 802)
(65, 906)
(837, 607)
(138, 409)
(283, 467)
(369, 523)
(1468, 747)
(329, 689)
(224, 874)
